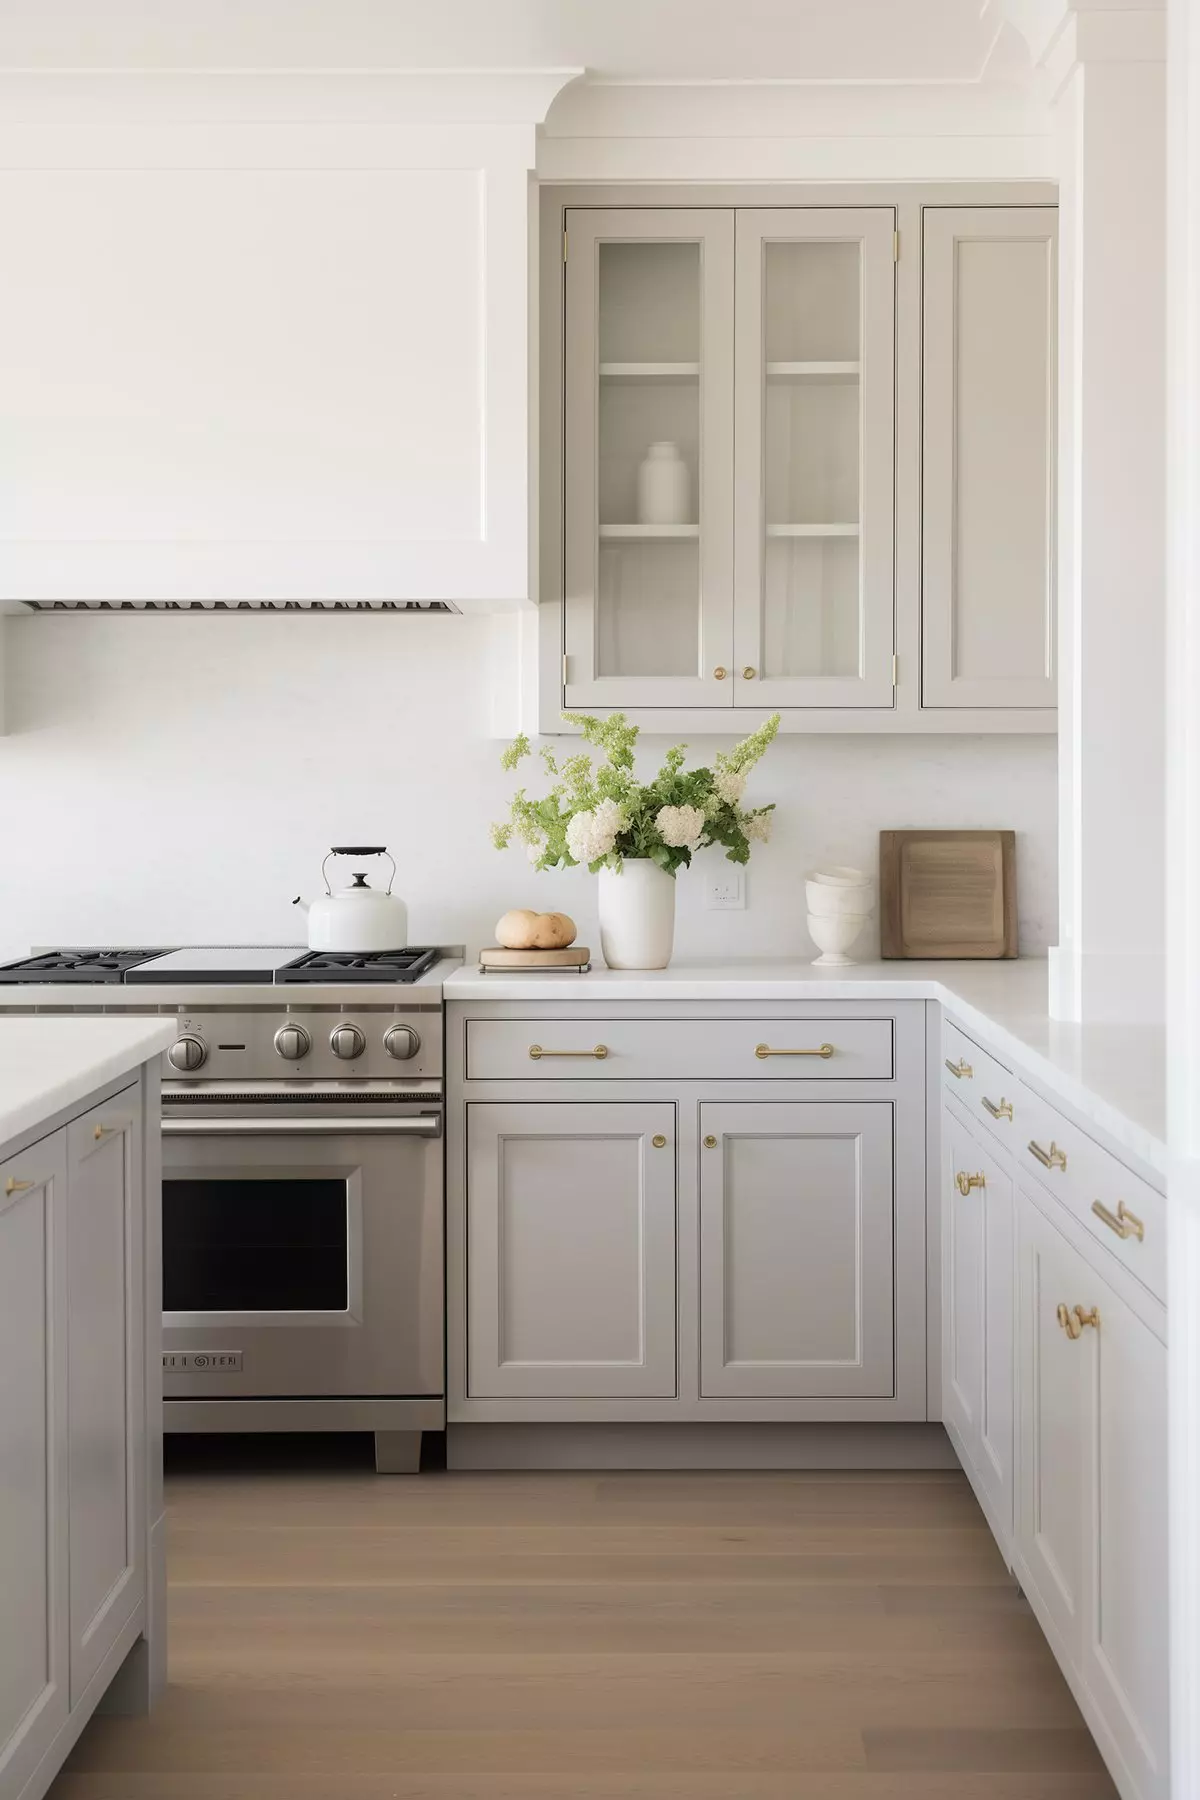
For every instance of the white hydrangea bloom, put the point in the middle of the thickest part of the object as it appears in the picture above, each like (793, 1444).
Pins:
(592, 834)
(730, 784)
(757, 827)
(680, 827)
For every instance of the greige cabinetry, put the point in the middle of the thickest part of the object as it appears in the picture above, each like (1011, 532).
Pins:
(679, 1213)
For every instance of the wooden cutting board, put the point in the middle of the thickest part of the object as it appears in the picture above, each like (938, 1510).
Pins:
(947, 894)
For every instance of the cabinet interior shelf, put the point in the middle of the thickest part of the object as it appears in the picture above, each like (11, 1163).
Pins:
(814, 371)
(813, 531)
(649, 371)
(650, 531)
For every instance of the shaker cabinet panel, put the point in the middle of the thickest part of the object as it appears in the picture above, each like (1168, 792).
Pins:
(107, 1406)
(796, 1250)
(649, 457)
(814, 457)
(571, 1249)
(33, 1456)
(987, 525)
(978, 1248)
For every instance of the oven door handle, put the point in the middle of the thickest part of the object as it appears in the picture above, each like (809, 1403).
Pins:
(411, 1125)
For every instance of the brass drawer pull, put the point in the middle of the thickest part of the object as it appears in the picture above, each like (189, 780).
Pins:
(1003, 1111)
(762, 1051)
(1053, 1158)
(13, 1186)
(961, 1071)
(599, 1052)
(1073, 1319)
(964, 1182)
(103, 1131)
(1123, 1222)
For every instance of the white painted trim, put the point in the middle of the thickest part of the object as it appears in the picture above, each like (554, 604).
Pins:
(704, 1446)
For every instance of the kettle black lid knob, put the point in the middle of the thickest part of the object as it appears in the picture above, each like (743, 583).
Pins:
(360, 879)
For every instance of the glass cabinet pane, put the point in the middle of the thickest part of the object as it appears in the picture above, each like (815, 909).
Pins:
(811, 459)
(648, 459)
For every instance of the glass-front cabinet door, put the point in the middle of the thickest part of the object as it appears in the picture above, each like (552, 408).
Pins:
(815, 452)
(648, 564)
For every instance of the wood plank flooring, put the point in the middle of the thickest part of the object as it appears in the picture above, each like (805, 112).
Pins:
(340, 1636)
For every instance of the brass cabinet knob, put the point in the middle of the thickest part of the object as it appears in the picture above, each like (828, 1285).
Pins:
(710, 1143)
(719, 673)
(964, 1182)
(748, 673)
(658, 1140)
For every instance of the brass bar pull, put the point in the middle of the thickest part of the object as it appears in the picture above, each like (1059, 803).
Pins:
(1053, 1158)
(1003, 1111)
(599, 1052)
(961, 1071)
(103, 1131)
(762, 1051)
(1068, 1321)
(1090, 1317)
(1123, 1222)
(13, 1186)
(964, 1182)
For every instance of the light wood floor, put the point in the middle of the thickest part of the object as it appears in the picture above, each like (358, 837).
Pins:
(341, 1636)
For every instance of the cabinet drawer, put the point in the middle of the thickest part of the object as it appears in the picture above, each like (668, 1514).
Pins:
(1121, 1211)
(679, 1049)
(984, 1086)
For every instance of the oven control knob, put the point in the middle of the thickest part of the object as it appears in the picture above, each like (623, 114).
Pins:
(188, 1054)
(347, 1042)
(292, 1042)
(401, 1042)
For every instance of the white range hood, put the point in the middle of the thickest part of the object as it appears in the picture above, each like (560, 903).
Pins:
(264, 339)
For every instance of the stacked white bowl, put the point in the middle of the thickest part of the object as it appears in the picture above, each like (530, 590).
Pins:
(840, 902)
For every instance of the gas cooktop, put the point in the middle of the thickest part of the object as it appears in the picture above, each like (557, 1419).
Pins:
(219, 965)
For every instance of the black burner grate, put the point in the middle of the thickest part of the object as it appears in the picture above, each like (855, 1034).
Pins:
(363, 965)
(75, 965)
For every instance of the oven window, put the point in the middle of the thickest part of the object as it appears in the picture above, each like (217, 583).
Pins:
(258, 1245)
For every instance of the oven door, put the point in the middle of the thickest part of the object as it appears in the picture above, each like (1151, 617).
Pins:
(302, 1247)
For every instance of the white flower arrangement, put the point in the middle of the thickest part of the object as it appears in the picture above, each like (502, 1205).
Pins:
(601, 815)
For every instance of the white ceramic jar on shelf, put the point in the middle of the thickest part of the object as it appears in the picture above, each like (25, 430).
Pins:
(663, 487)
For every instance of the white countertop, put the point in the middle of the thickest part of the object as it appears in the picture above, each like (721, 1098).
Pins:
(1112, 1075)
(47, 1065)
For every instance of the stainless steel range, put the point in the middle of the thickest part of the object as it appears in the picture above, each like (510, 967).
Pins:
(303, 1258)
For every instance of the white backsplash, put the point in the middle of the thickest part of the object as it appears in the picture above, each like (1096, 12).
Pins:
(174, 779)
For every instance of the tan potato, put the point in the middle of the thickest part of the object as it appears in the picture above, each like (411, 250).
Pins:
(515, 930)
(553, 931)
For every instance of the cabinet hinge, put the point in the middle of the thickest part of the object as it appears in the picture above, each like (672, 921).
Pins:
(895, 246)
(564, 671)
(564, 246)
(895, 671)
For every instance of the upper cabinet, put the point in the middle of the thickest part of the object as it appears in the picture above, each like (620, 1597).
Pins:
(799, 458)
(266, 339)
(987, 519)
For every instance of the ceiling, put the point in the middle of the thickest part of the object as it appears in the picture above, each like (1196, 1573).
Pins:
(614, 40)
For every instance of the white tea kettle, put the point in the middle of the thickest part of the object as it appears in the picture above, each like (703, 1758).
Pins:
(356, 917)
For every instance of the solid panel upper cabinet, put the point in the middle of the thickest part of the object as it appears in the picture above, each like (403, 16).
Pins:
(293, 377)
(987, 524)
(814, 457)
(571, 1249)
(107, 1406)
(33, 1456)
(649, 457)
(796, 1250)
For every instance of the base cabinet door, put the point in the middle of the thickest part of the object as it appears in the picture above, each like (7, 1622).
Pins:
(1125, 1624)
(796, 1250)
(33, 1457)
(571, 1249)
(977, 1316)
(105, 1377)
(1053, 1399)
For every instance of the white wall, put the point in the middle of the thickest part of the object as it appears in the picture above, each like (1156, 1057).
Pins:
(173, 779)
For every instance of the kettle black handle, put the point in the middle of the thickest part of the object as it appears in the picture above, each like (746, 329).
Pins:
(359, 850)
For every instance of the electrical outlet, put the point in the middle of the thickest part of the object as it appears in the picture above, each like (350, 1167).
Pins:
(725, 889)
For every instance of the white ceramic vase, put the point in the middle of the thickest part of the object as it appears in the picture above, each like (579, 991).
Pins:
(637, 915)
(663, 487)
